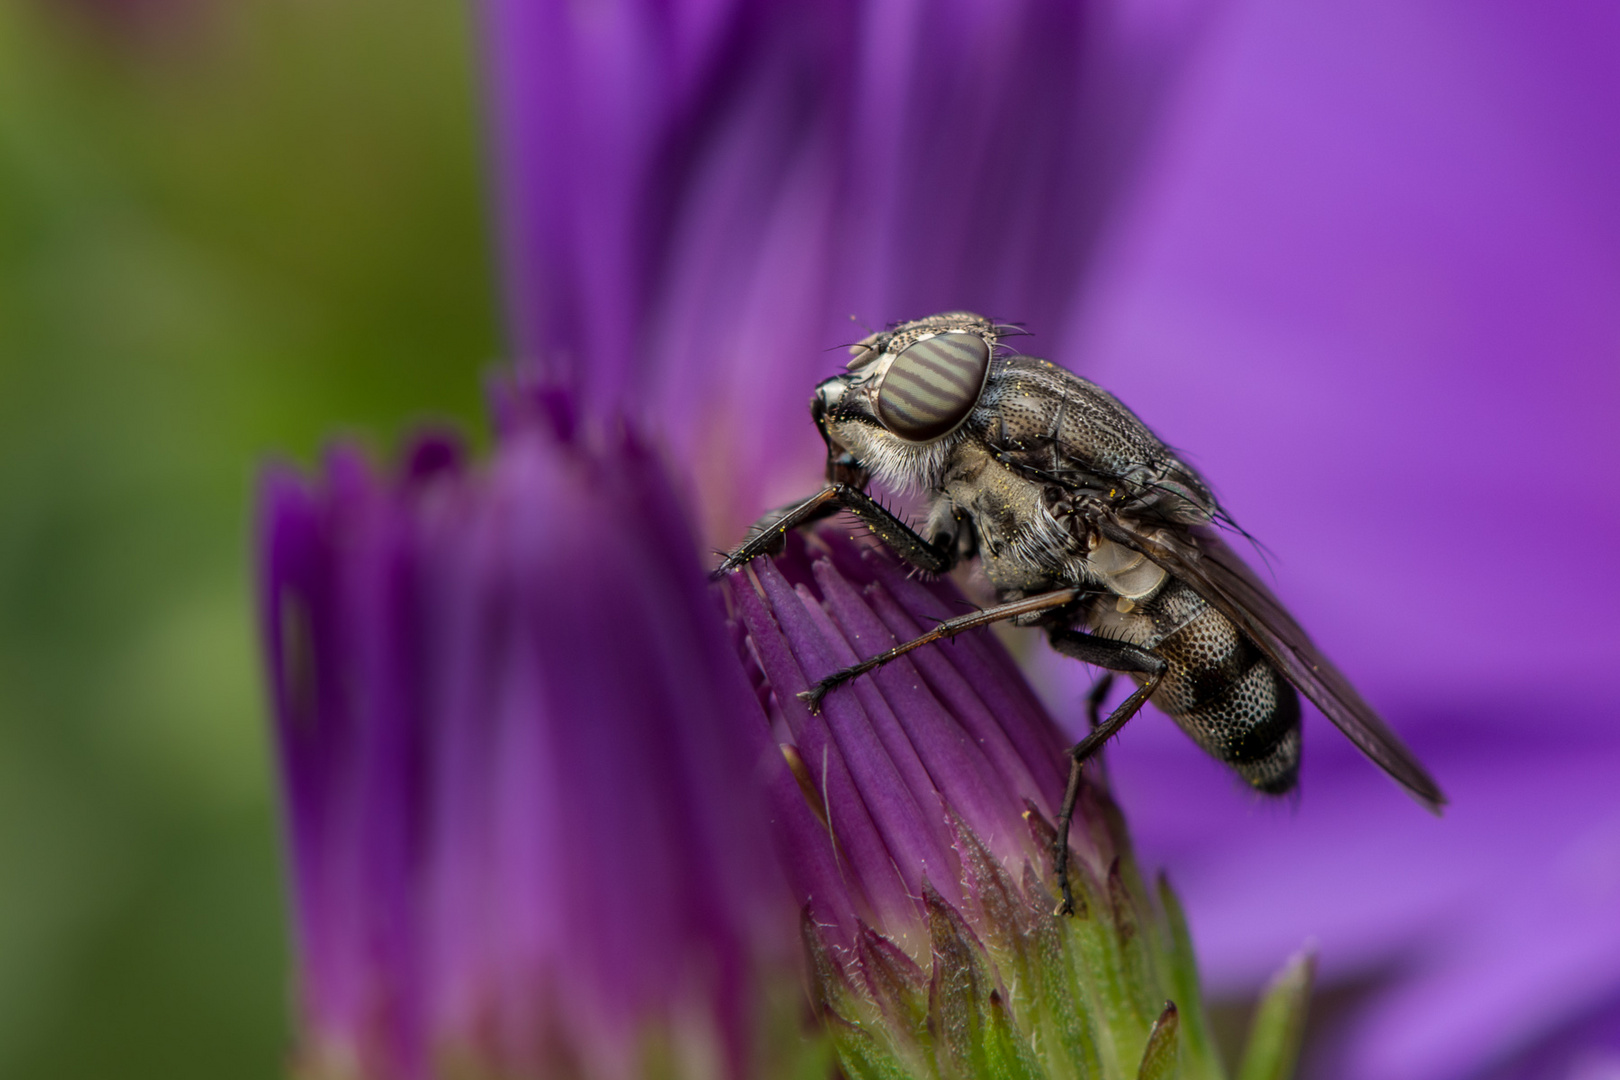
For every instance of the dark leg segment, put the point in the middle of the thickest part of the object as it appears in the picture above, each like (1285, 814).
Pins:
(1113, 656)
(948, 628)
(823, 503)
(899, 537)
(1095, 699)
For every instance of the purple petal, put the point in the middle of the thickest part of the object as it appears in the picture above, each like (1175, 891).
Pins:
(525, 775)
(696, 199)
(905, 760)
(877, 827)
(919, 731)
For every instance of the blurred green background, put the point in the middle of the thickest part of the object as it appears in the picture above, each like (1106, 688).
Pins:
(227, 231)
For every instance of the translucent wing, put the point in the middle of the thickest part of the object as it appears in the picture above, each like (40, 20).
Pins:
(1212, 568)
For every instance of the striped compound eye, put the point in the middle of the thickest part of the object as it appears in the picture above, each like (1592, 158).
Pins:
(931, 387)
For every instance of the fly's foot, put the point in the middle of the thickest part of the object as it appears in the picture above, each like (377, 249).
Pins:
(733, 561)
(757, 545)
(765, 537)
(812, 697)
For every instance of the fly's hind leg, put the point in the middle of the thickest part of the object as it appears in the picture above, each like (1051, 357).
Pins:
(1095, 699)
(1112, 656)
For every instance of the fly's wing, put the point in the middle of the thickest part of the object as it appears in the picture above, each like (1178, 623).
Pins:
(1226, 582)
(1057, 428)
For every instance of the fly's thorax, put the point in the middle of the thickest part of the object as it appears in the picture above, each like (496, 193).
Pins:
(1048, 420)
(1022, 547)
(1039, 405)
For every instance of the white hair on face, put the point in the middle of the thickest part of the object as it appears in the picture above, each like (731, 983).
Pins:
(901, 466)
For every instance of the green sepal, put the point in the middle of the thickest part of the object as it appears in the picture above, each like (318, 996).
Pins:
(1045, 837)
(1099, 962)
(1010, 1054)
(1000, 916)
(1199, 1060)
(1127, 904)
(1279, 1023)
(1160, 1053)
(869, 1020)
(975, 1035)
(863, 1055)
(899, 988)
(830, 989)
(1097, 965)
(1065, 1020)
(1029, 948)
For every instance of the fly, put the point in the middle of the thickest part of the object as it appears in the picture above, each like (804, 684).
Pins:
(1088, 527)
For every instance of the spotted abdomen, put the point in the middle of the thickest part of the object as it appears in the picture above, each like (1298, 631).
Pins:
(1218, 688)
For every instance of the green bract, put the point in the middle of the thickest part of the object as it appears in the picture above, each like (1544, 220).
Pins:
(1009, 990)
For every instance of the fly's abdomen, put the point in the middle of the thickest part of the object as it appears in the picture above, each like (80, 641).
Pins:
(1221, 690)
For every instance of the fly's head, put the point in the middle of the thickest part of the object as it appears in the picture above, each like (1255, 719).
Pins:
(902, 403)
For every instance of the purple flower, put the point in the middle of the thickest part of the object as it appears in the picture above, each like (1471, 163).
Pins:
(521, 779)
(517, 753)
(1368, 280)
(699, 200)
(925, 870)
(527, 786)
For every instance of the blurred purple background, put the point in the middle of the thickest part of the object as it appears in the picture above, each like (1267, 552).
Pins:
(1372, 286)
(1360, 260)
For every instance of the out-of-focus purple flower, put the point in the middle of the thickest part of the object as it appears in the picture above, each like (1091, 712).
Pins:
(517, 788)
(697, 199)
(517, 753)
(1373, 289)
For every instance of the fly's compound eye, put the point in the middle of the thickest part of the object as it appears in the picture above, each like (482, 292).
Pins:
(931, 387)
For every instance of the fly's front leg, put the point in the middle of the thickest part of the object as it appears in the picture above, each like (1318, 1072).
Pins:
(767, 535)
(899, 537)
(1112, 656)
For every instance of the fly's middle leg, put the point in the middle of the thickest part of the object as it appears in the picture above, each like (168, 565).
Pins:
(1040, 602)
(1112, 656)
